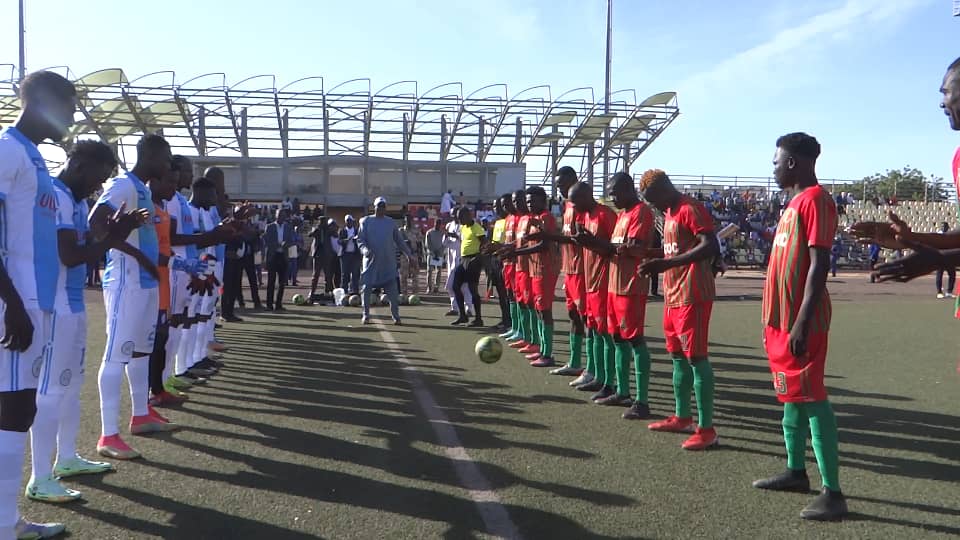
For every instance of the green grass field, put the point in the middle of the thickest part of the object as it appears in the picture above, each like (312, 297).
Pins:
(313, 431)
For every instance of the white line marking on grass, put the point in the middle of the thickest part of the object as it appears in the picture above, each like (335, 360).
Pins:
(495, 517)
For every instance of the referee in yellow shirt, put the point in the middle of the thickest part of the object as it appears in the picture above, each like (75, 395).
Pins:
(472, 238)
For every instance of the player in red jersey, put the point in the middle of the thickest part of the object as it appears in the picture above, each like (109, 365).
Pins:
(594, 235)
(796, 319)
(627, 296)
(506, 203)
(571, 266)
(543, 268)
(930, 250)
(527, 341)
(689, 246)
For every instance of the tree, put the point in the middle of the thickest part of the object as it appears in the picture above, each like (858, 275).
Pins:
(906, 184)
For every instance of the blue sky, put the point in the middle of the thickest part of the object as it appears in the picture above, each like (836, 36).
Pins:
(861, 75)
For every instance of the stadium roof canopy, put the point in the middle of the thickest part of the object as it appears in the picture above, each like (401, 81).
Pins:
(257, 117)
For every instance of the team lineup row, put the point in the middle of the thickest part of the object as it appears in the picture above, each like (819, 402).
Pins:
(160, 289)
(606, 259)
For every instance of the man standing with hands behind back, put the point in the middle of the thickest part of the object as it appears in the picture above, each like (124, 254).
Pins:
(277, 238)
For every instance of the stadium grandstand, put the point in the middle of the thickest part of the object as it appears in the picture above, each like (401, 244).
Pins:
(341, 146)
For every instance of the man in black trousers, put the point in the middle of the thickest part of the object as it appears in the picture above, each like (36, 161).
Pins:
(277, 239)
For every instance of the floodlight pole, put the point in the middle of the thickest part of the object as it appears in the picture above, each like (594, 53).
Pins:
(23, 69)
(607, 91)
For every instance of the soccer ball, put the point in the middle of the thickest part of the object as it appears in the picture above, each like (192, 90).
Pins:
(488, 349)
(384, 300)
(355, 300)
(299, 299)
(414, 300)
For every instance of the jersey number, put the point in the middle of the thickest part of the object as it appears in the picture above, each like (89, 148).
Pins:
(780, 382)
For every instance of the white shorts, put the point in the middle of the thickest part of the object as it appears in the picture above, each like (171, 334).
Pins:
(63, 368)
(131, 322)
(21, 370)
(179, 295)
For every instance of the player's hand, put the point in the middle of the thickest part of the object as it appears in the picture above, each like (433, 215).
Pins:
(196, 285)
(798, 342)
(535, 236)
(244, 211)
(655, 266)
(881, 233)
(18, 328)
(921, 262)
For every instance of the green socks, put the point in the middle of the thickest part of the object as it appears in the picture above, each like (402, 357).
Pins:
(524, 323)
(610, 358)
(534, 325)
(591, 363)
(515, 317)
(576, 350)
(703, 387)
(823, 427)
(599, 361)
(546, 339)
(623, 368)
(795, 429)
(822, 423)
(682, 386)
(641, 367)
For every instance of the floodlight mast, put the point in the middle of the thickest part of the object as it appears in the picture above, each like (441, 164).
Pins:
(607, 91)
(23, 61)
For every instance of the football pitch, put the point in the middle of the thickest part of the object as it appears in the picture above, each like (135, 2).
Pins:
(321, 428)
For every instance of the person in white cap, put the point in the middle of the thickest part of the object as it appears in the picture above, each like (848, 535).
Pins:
(380, 240)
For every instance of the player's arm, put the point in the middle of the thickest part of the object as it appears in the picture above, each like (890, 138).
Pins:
(816, 283)
(218, 235)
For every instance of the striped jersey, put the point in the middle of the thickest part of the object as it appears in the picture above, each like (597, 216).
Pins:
(123, 270)
(599, 222)
(544, 263)
(572, 254)
(956, 184)
(520, 241)
(510, 235)
(179, 209)
(28, 221)
(637, 224)
(810, 220)
(691, 283)
(71, 216)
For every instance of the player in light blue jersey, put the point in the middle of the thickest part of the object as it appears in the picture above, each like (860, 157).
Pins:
(130, 290)
(88, 164)
(28, 277)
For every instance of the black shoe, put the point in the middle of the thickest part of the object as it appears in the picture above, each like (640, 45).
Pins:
(269, 307)
(397, 322)
(477, 323)
(637, 411)
(615, 400)
(786, 481)
(258, 307)
(232, 318)
(591, 386)
(452, 313)
(280, 308)
(605, 391)
(217, 326)
(200, 372)
(216, 363)
(502, 326)
(207, 364)
(827, 506)
(459, 321)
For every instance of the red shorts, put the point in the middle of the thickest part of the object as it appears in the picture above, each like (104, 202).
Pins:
(686, 329)
(521, 287)
(796, 382)
(596, 311)
(509, 271)
(575, 289)
(543, 290)
(626, 314)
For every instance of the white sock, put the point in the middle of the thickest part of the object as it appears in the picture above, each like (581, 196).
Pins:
(199, 344)
(69, 422)
(173, 343)
(109, 379)
(185, 354)
(138, 377)
(43, 435)
(12, 446)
